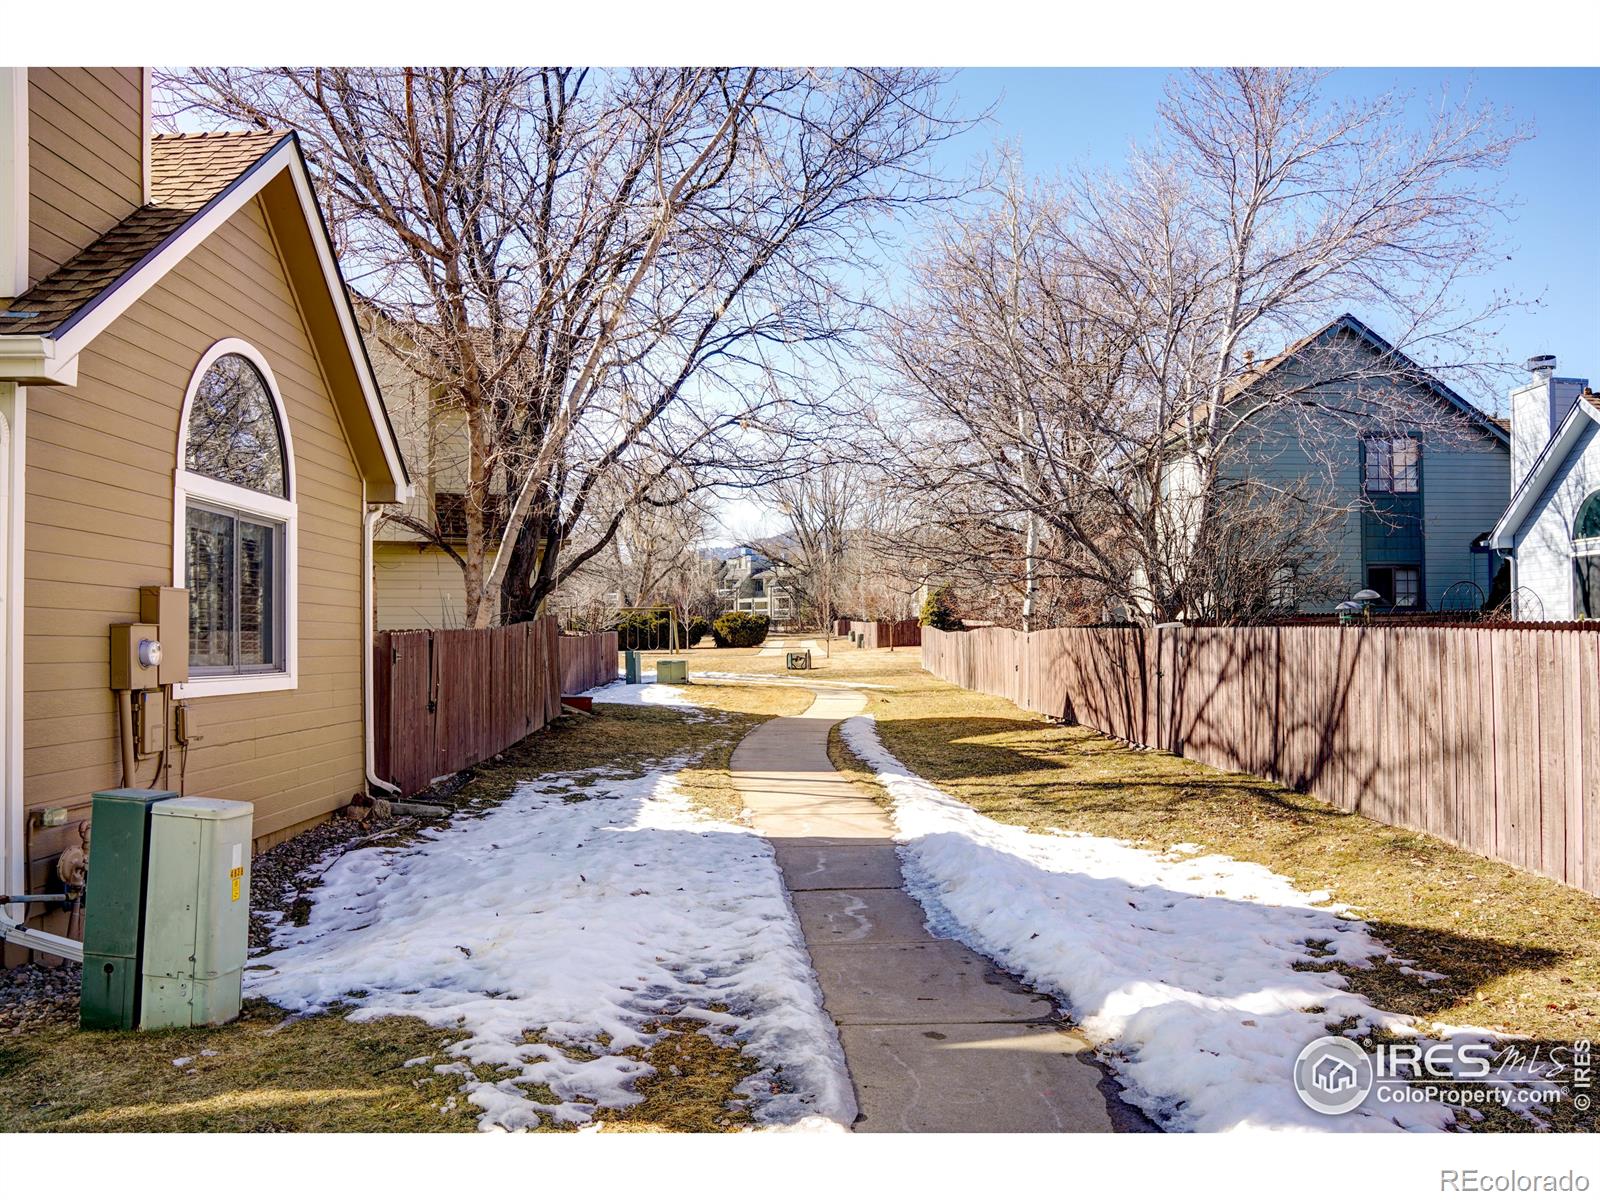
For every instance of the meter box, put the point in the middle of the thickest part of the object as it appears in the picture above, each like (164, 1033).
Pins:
(113, 932)
(197, 912)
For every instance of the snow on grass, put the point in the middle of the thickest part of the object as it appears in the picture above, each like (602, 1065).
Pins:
(1181, 967)
(646, 692)
(585, 912)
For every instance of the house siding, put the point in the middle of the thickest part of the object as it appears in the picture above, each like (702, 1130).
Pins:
(101, 457)
(1544, 540)
(417, 587)
(85, 158)
(1464, 490)
(1466, 477)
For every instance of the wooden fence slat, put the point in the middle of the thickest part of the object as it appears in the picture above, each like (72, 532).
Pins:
(446, 699)
(1487, 737)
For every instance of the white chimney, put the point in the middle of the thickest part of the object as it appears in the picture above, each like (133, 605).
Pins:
(1537, 410)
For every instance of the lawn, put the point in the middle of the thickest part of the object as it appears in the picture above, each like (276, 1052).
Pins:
(272, 1072)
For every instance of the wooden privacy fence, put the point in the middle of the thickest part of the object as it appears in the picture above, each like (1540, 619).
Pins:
(587, 661)
(445, 699)
(885, 635)
(1486, 737)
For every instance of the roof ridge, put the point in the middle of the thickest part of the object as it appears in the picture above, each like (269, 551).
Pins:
(218, 134)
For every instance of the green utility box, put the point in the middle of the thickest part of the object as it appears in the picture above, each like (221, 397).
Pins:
(630, 666)
(196, 913)
(113, 933)
(672, 670)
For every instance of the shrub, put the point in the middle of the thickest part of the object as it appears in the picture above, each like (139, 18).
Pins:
(938, 610)
(698, 628)
(733, 630)
(648, 631)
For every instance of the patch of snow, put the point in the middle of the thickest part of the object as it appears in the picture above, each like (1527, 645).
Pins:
(183, 1062)
(1181, 970)
(581, 921)
(647, 692)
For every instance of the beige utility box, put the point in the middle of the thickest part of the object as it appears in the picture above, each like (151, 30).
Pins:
(135, 657)
(196, 912)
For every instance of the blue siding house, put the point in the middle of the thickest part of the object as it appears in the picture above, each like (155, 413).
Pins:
(1414, 475)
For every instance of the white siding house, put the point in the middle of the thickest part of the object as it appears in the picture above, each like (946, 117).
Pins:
(1551, 530)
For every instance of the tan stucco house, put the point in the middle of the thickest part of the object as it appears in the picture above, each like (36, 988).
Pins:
(185, 400)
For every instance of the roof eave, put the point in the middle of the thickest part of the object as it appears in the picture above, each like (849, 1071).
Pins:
(1503, 536)
(35, 360)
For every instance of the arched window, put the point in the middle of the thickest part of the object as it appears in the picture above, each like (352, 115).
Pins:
(1587, 526)
(232, 433)
(235, 547)
(1586, 559)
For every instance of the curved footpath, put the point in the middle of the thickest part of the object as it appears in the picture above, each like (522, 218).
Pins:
(937, 1038)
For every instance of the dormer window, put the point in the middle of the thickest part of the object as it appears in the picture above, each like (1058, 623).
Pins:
(236, 518)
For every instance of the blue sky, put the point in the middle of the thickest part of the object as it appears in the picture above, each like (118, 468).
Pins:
(1065, 117)
(1072, 116)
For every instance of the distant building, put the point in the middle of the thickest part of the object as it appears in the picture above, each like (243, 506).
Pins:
(1551, 529)
(751, 583)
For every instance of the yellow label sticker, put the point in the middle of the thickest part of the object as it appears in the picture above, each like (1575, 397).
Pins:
(235, 876)
(235, 889)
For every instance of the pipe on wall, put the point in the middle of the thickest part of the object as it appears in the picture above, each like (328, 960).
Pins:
(125, 735)
(369, 522)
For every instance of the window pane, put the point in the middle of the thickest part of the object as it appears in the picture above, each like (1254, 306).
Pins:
(258, 558)
(210, 581)
(1586, 585)
(1407, 587)
(233, 428)
(1407, 454)
(1588, 523)
(1378, 466)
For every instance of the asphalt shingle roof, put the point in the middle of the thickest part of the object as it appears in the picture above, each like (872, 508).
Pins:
(187, 172)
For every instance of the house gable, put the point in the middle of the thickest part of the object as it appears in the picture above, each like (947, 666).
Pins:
(101, 522)
(200, 182)
(1289, 444)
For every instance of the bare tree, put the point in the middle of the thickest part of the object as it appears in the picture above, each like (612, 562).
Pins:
(620, 277)
(1079, 358)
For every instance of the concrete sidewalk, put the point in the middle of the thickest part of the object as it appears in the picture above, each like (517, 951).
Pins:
(936, 1037)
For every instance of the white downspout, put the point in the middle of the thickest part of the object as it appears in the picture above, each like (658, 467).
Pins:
(13, 491)
(369, 520)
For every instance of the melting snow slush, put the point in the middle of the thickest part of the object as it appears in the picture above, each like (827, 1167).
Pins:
(586, 913)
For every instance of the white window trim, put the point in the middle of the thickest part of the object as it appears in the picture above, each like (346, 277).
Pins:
(203, 488)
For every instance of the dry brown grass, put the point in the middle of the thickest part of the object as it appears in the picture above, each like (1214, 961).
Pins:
(322, 1074)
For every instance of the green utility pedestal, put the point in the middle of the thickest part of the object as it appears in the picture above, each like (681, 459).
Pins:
(113, 933)
(672, 670)
(196, 913)
(630, 666)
